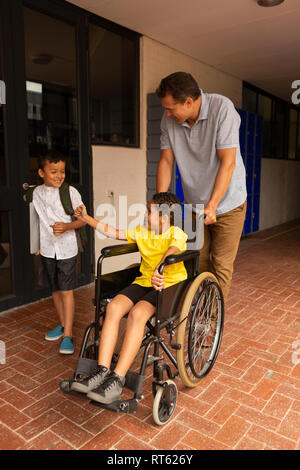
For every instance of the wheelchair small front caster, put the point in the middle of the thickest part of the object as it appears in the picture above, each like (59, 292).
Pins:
(164, 402)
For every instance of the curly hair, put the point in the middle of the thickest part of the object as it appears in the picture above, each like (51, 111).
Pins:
(168, 204)
(52, 156)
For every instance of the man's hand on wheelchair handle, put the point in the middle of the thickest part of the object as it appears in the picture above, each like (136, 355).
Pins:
(209, 214)
(157, 280)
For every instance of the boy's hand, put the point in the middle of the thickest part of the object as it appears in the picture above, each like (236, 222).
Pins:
(158, 280)
(80, 212)
(37, 253)
(59, 228)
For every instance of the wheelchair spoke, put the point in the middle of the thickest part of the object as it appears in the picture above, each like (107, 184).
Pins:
(200, 334)
(203, 329)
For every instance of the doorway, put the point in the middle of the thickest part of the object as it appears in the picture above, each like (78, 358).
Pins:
(43, 63)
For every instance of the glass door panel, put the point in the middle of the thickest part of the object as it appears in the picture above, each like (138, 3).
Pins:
(3, 179)
(51, 88)
(5, 256)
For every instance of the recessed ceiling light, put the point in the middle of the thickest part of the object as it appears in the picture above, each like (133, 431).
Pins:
(269, 3)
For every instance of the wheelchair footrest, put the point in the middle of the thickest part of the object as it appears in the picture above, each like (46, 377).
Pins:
(125, 406)
(134, 382)
(65, 386)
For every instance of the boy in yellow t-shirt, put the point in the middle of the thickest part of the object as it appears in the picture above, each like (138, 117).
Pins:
(155, 242)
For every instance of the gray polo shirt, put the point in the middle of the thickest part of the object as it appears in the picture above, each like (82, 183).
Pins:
(195, 151)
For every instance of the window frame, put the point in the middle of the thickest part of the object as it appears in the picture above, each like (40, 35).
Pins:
(56, 6)
(286, 131)
(132, 35)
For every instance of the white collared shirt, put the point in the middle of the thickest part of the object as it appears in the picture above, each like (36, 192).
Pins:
(47, 203)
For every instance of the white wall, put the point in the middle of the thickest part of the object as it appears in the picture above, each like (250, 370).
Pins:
(122, 170)
(280, 192)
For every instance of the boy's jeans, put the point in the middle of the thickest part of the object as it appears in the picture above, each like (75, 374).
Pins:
(221, 242)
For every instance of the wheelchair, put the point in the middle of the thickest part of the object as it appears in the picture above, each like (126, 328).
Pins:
(187, 327)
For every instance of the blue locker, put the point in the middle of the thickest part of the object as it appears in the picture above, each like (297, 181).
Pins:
(178, 185)
(249, 173)
(255, 213)
(250, 133)
(243, 117)
(252, 129)
(248, 219)
(258, 135)
(256, 175)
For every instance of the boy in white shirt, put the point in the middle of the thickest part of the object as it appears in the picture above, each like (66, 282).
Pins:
(58, 245)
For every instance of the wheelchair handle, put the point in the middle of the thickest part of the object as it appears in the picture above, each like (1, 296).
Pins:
(115, 250)
(176, 258)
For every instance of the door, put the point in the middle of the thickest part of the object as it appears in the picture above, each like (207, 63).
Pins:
(45, 69)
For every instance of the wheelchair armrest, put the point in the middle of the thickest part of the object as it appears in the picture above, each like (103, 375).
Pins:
(176, 258)
(115, 250)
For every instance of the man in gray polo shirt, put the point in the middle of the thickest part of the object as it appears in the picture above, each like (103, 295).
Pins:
(201, 132)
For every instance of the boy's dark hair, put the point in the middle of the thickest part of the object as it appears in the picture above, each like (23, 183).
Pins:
(52, 156)
(180, 85)
(168, 204)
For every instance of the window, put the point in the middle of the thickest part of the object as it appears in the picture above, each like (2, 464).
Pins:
(51, 90)
(113, 87)
(280, 119)
(293, 133)
(249, 100)
(281, 137)
(298, 139)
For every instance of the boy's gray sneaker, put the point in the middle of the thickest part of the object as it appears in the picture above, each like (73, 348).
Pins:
(91, 382)
(109, 391)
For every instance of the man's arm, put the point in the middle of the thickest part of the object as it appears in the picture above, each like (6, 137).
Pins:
(164, 170)
(222, 181)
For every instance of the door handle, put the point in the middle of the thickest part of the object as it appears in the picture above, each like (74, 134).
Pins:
(26, 186)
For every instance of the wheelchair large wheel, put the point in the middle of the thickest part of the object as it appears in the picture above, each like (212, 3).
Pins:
(200, 329)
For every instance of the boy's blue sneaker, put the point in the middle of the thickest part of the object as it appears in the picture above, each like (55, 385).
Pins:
(55, 334)
(67, 346)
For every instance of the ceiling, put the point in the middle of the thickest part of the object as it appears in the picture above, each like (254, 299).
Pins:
(256, 44)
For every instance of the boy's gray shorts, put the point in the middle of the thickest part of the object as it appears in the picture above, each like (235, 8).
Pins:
(58, 274)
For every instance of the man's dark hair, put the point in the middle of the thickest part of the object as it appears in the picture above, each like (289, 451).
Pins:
(52, 156)
(180, 85)
(168, 204)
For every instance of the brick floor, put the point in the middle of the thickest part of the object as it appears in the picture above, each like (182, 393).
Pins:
(250, 400)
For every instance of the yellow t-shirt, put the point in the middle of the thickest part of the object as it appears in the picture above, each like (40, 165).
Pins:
(152, 247)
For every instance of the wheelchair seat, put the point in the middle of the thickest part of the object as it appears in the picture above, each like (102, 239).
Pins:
(114, 282)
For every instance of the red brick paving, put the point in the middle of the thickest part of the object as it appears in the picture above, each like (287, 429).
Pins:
(250, 400)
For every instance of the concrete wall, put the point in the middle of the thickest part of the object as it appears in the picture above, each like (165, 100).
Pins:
(280, 192)
(123, 170)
